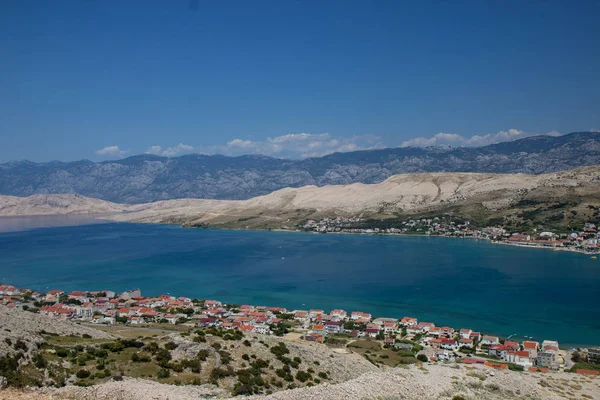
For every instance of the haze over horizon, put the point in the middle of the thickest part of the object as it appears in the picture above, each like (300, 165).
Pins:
(87, 80)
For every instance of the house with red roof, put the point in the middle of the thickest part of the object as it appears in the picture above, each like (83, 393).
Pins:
(208, 321)
(495, 365)
(465, 333)
(53, 295)
(519, 357)
(79, 296)
(356, 315)
(449, 344)
(465, 342)
(408, 321)
(435, 331)
(9, 290)
(531, 347)
(333, 326)
(499, 350)
(512, 345)
(313, 338)
(171, 318)
(425, 326)
(338, 314)
(135, 320)
(212, 304)
(300, 314)
(319, 329)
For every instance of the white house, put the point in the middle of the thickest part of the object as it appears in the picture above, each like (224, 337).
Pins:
(449, 344)
(262, 329)
(136, 320)
(490, 340)
(465, 333)
(519, 358)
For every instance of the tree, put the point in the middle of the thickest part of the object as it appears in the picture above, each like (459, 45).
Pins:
(422, 358)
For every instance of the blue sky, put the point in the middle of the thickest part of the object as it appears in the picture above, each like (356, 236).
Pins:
(107, 79)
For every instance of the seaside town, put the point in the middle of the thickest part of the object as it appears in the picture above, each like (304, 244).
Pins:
(424, 341)
(585, 240)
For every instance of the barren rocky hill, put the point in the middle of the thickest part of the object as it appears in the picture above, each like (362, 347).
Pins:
(55, 204)
(571, 193)
(16, 325)
(440, 382)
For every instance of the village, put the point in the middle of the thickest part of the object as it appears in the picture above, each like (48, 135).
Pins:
(420, 340)
(586, 240)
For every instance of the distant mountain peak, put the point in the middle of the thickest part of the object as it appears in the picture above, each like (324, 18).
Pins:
(145, 178)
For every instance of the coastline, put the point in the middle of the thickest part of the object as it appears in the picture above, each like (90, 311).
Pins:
(106, 218)
(371, 317)
(314, 301)
(527, 246)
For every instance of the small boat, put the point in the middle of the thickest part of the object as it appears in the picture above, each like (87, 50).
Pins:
(594, 257)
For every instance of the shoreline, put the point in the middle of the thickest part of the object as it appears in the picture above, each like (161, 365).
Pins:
(527, 246)
(566, 346)
(99, 219)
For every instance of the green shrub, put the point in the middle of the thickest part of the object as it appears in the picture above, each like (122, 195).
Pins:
(163, 373)
(82, 373)
(280, 349)
(303, 376)
(170, 346)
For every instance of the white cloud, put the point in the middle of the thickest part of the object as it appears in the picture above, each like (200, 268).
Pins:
(300, 145)
(171, 151)
(292, 145)
(113, 151)
(456, 140)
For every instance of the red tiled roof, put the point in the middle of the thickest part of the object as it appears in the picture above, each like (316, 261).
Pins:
(536, 369)
(496, 365)
(588, 372)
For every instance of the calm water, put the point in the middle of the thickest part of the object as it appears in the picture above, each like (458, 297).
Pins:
(462, 283)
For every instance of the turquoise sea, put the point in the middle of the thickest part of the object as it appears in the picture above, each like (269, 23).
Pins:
(462, 283)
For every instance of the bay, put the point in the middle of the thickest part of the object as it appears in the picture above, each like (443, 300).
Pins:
(473, 284)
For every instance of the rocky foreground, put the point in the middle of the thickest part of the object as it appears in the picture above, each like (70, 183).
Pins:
(350, 376)
(28, 327)
(410, 383)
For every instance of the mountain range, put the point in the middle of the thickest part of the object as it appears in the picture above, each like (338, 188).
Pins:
(556, 200)
(149, 178)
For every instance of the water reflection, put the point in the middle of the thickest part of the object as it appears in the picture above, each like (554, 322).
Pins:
(15, 224)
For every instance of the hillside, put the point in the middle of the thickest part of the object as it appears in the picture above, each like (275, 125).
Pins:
(148, 178)
(564, 198)
(55, 204)
(212, 363)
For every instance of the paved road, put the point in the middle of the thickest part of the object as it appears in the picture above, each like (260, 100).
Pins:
(567, 357)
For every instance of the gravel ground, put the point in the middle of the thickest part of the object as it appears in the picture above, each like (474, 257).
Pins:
(413, 383)
(444, 382)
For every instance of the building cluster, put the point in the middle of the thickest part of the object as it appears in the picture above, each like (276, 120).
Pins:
(130, 307)
(339, 224)
(436, 225)
(586, 240)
